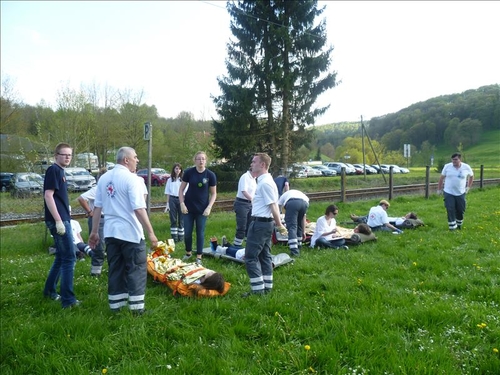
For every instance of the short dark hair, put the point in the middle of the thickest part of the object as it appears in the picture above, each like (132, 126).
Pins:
(214, 282)
(412, 215)
(364, 229)
(456, 155)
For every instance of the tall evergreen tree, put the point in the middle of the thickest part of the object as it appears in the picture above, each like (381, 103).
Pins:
(277, 67)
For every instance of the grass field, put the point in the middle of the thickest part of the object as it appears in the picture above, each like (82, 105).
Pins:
(424, 302)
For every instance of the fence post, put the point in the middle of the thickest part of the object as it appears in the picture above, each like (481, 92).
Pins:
(481, 175)
(427, 181)
(342, 185)
(391, 182)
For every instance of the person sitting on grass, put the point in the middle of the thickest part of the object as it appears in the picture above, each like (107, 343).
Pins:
(326, 234)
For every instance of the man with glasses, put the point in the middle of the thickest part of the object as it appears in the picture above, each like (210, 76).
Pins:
(379, 220)
(58, 221)
(457, 178)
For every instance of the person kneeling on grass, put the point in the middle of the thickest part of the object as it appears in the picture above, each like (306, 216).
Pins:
(81, 248)
(326, 234)
(396, 221)
(378, 220)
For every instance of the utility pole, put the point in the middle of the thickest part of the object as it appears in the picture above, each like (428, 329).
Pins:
(148, 136)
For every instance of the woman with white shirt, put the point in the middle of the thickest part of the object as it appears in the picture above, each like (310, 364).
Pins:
(325, 234)
(173, 206)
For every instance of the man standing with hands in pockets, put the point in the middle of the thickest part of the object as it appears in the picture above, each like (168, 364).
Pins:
(120, 196)
(265, 213)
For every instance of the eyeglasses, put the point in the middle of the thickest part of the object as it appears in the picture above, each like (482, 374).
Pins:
(66, 155)
(335, 213)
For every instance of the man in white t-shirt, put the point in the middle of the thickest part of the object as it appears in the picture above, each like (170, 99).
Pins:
(243, 206)
(457, 178)
(121, 197)
(265, 215)
(378, 219)
(296, 204)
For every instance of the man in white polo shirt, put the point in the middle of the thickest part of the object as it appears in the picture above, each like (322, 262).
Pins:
(121, 197)
(296, 204)
(265, 214)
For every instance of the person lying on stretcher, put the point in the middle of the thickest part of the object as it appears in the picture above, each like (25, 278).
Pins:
(189, 273)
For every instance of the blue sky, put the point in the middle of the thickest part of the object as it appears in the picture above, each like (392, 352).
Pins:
(388, 55)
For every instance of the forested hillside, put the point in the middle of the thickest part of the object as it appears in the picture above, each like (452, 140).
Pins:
(454, 121)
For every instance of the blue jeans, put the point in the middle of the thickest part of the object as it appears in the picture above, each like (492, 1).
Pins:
(189, 221)
(322, 242)
(63, 266)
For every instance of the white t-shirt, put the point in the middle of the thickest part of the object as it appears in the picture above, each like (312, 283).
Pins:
(455, 180)
(76, 228)
(119, 193)
(292, 194)
(172, 187)
(322, 226)
(377, 217)
(89, 196)
(265, 194)
(246, 183)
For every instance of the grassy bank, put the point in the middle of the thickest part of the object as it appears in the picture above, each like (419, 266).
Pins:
(425, 302)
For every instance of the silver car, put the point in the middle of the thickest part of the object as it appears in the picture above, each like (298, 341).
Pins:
(26, 184)
(79, 179)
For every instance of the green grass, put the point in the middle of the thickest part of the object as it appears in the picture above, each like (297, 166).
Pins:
(425, 302)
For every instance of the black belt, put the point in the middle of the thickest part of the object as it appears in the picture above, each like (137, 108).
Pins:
(243, 200)
(174, 196)
(263, 219)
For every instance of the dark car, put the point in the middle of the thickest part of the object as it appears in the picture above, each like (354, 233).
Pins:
(26, 184)
(159, 176)
(6, 178)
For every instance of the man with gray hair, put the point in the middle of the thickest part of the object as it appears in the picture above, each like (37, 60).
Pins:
(120, 196)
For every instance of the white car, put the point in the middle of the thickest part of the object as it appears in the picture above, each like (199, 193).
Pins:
(311, 172)
(386, 167)
(404, 170)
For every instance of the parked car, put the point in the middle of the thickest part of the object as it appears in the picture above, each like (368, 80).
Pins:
(325, 171)
(26, 184)
(376, 167)
(109, 165)
(159, 176)
(79, 179)
(6, 179)
(337, 167)
(369, 169)
(403, 169)
(356, 170)
(311, 172)
(386, 167)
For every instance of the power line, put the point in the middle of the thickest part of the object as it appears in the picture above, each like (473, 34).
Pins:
(260, 19)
